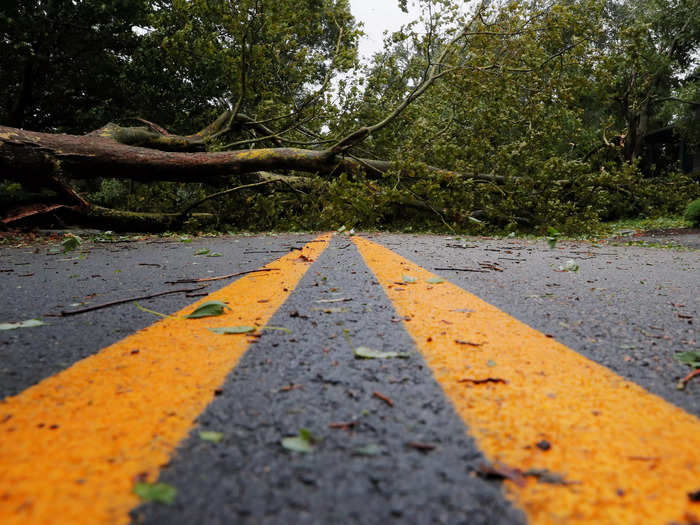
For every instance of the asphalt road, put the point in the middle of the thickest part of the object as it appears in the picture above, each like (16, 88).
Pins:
(404, 455)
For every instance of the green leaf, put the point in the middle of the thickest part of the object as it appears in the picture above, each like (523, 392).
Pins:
(208, 309)
(233, 329)
(185, 238)
(70, 243)
(203, 251)
(408, 279)
(301, 443)
(569, 266)
(364, 352)
(29, 323)
(689, 358)
(280, 328)
(369, 450)
(211, 436)
(158, 492)
(474, 219)
(435, 280)
(144, 309)
(214, 254)
(552, 242)
(491, 362)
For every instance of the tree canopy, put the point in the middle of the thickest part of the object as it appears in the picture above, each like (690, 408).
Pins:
(507, 115)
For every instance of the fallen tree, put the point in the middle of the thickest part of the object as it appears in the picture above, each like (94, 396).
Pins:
(245, 152)
(148, 153)
(45, 160)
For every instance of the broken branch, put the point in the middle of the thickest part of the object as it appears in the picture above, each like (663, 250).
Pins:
(129, 300)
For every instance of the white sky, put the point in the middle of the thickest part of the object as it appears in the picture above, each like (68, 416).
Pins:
(379, 16)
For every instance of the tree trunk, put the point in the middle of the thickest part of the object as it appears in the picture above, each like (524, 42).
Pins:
(31, 157)
(16, 115)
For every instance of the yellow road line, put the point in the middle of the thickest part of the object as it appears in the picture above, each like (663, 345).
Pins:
(628, 456)
(72, 445)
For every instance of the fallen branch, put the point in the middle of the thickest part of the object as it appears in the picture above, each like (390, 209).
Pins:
(461, 270)
(129, 300)
(683, 382)
(221, 193)
(483, 381)
(344, 425)
(207, 279)
(384, 398)
(423, 447)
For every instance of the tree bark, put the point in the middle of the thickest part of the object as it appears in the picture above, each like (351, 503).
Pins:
(32, 157)
(16, 115)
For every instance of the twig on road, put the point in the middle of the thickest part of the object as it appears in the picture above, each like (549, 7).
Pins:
(483, 381)
(683, 382)
(129, 300)
(208, 279)
(460, 270)
(384, 398)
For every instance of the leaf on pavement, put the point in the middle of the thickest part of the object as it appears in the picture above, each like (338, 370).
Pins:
(501, 472)
(233, 329)
(689, 358)
(280, 328)
(364, 352)
(158, 492)
(208, 309)
(435, 280)
(70, 243)
(300, 443)
(211, 436)
(203, 251)
(29, 323)
(214, 254)
(569, 266)
(371, 449)
(408, 279)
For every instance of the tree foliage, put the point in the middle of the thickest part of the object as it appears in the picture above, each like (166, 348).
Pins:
(507, 115)
(64, 63)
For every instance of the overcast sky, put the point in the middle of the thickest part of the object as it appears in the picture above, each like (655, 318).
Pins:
(379, 16)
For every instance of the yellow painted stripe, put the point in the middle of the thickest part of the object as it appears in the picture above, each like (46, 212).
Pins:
(630, 456)
(72, 445)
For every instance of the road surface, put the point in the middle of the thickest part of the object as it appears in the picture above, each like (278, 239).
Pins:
(522, 392)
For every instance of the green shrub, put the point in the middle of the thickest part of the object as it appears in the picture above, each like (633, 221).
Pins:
(692, 213)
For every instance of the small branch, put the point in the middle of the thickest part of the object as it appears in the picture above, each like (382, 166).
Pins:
(683, 382)
(482, 381)
(274, 136)
(384, 398)
(461, 270)
(676, 99)
(208, 279)
(154, 127)
(432, 74)
(130, 300)
(224, 192)
(430, 206)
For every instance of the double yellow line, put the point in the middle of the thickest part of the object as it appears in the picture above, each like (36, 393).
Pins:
(579, 444)
(72, 446)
